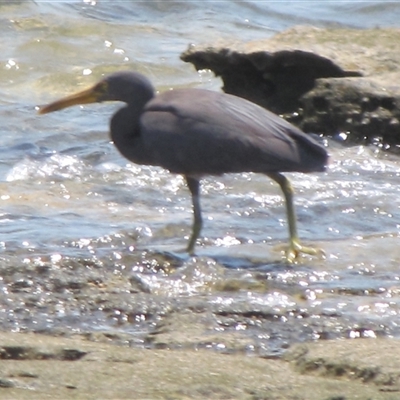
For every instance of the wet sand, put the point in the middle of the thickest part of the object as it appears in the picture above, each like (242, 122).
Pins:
(36, 366)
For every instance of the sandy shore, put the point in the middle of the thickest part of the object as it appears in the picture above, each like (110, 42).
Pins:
(44, 367)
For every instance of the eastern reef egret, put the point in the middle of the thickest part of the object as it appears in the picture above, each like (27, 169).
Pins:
(196, 132)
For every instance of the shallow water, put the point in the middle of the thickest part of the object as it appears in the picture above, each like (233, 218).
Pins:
(90, 242)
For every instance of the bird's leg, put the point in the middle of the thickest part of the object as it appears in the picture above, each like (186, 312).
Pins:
(194, 187)
(295, 248)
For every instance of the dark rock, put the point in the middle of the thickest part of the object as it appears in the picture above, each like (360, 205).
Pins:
(72, 354)
(339, 82)
(274, 80)
(353, 107)
(14, 352)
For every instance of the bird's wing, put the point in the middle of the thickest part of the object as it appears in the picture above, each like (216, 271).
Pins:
(202, 132)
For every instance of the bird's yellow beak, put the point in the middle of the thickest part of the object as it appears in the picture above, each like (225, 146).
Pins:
(91, 95)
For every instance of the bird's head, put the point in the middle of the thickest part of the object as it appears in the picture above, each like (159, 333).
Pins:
(126, 86)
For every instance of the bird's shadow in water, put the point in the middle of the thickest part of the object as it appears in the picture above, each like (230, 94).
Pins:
(179, 257)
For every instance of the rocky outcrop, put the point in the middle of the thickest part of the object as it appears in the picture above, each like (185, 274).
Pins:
(338, 82)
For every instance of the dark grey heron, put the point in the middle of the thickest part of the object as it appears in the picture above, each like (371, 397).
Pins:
(196, 132)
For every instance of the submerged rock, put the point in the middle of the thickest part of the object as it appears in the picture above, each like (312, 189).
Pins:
(339, 82)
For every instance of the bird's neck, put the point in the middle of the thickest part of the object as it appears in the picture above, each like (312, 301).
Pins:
(125, 133)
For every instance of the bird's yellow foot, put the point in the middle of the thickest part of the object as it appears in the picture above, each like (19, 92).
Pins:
(295, 249)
